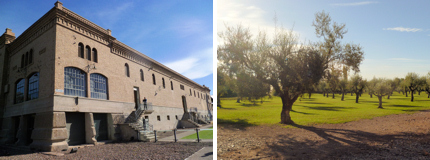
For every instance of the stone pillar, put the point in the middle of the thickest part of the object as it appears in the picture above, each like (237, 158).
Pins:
(50, 132)
(7, 135)
(21, 131)
(90, 130)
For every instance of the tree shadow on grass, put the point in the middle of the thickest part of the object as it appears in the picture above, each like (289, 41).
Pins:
(303, 112)
(407, 106)
(330, 108)
(328, 143)
(241, 124)
(251, 105)
(314, 103)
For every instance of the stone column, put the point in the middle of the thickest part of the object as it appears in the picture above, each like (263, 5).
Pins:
(90, 130)
(21, 135)
(50, 132)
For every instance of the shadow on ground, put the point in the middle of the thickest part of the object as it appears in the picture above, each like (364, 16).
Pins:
(334, 143)
(241, 124)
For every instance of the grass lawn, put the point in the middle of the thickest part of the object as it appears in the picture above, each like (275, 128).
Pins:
(318, 109)
(206, 134)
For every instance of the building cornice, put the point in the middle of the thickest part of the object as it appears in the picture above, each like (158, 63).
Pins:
(62, 16)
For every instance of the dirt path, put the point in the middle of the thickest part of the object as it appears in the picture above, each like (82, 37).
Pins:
(404, 136)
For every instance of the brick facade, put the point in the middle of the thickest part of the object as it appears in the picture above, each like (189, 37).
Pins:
(54, 41)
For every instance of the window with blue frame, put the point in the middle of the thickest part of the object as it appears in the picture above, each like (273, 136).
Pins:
(75, 82)
(19, 91)
(98, 86)
(33, 87)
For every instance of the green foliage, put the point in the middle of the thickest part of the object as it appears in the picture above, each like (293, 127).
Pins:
(318, 110)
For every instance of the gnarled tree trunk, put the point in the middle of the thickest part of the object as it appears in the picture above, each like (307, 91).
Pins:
(380, 101)
(287, 106)
(343, 95)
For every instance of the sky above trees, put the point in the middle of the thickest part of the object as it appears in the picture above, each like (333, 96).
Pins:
(179, 34)
(395, 35)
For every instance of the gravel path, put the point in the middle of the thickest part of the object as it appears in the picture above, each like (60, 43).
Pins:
(404, 136)
(131, 150)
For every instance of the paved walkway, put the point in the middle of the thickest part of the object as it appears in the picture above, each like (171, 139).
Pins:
(184, 134)
(204, 153)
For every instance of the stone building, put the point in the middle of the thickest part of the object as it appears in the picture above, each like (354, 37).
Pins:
(67, 81)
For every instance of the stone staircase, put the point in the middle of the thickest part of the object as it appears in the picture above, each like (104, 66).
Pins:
(202, 121)
(135, 121)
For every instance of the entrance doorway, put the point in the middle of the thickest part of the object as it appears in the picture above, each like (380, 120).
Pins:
(136, 97)
(75, 124)
(184, 104)
(100, 124)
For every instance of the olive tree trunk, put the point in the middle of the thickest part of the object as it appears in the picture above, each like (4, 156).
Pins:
(343, 95)
(287, 105)
(412, 96)
(380, 101)
(356, 97)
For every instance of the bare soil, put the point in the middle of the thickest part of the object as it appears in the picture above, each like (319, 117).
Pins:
(126, 150)
(403, 136)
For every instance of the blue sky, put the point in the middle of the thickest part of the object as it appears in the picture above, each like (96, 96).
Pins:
(178, 34)
(395, 35)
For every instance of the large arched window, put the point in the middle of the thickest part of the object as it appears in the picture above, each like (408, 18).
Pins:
(75, 82)
(98, 86)
(164, 84)
(81, 50)
(153, 79)
(88, 52)
(19, 91)
(127, 70)
(33, 87)
(95, 55)
(142, 78)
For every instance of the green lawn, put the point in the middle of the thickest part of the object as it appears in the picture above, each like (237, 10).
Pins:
(318, 109)
(206, 134)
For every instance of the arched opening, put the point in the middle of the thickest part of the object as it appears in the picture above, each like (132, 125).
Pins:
(75, 82)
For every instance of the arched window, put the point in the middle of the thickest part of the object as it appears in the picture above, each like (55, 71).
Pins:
(30, 57)
(153, 79)
(75, 82)
(191, 93)
(194, 93)
(95, 55)
(81, 50)
(33, 87)
(26, 59)
(164, 85)
(19, 91)
(142, 78)
(98, 86)
(171, 85)
(88, 52)
(127, 70)
(22, 61)
(198, 95)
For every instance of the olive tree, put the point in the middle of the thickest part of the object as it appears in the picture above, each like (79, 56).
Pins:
(380, 88)
(412, 82)
(357, 84)
(289, 66)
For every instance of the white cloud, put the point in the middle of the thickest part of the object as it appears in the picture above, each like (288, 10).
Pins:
(402, 29)
(197, 65)
(354, 4)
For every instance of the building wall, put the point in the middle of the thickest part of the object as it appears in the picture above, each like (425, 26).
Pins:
(43, 61)
(112, 66)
